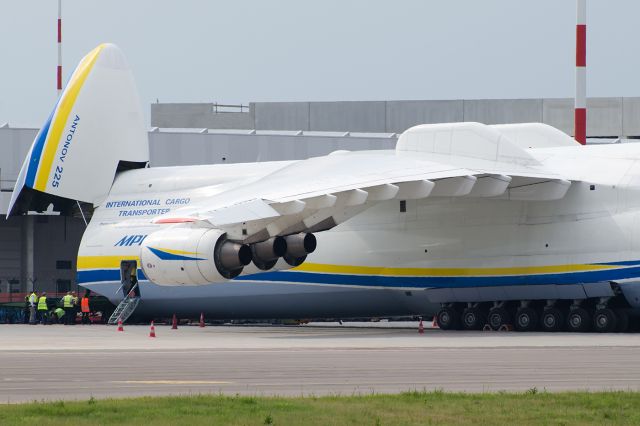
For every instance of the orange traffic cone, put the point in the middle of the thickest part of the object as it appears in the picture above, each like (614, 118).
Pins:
(201, 319)
(120, 327)
(435, 322)
(152, 332)
(420, 327)
(174, 323)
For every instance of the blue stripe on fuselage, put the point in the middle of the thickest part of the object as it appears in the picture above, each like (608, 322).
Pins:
(390, 281)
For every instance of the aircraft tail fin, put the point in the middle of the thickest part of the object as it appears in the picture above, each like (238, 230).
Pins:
(95, 130)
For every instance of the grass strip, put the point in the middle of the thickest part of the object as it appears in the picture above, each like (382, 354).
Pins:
(529, 408)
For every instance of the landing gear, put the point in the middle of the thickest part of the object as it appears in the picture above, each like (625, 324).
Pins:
(552, 319)
(498, 316)
(473, 318)
(526, 319)
(604, 315)
(448, 318)
(605, 320)
(578, 319)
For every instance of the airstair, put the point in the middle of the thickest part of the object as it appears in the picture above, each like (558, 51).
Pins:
(124, 309)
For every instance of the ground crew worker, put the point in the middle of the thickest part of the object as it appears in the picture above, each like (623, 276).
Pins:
(58, 313)
(135, 291)
(26, 309)
(84, 307)
(33, 305)
(43, 309)
(76, 307)
(67, 305)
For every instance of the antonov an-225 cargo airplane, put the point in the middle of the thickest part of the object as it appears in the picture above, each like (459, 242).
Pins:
(506, 225)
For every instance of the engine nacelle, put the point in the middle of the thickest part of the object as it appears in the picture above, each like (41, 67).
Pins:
(280, 253)
(266, 253)
(298, 247)
(192, 256)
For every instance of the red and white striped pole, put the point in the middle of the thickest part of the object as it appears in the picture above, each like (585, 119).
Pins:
(580, 123)
(59, 76)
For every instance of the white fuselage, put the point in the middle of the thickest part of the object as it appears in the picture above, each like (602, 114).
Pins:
(590, 235)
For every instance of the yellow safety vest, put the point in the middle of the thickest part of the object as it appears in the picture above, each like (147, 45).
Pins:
(42, 303)
(67, 301)
(33, 298)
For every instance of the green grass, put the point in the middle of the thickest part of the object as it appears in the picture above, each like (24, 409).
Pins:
(424, 408)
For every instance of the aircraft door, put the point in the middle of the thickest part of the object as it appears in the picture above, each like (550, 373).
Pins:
(129, 278)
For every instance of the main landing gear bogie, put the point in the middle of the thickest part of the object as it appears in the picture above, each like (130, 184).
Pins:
(605, 315)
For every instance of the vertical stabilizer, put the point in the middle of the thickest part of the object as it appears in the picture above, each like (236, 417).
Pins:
(96, 126)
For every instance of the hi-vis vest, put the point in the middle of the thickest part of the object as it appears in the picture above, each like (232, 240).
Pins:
(84, 304)
(42, 303)
(33, 299)
(67, 301)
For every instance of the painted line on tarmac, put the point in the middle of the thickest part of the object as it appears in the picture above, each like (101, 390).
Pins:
(172, 382)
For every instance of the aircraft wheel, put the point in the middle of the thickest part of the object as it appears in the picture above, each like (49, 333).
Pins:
(448, 319)
(623, 320)
(473, 319)
(578, 319)
(605, 320)
(552, 319)
(526, 319)
(498, 317)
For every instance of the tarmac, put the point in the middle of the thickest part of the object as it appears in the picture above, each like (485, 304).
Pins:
(78, 362)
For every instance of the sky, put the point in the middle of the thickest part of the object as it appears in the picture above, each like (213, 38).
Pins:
(320, 50)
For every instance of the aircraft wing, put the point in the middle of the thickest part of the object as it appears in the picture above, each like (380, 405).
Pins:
(452, 160)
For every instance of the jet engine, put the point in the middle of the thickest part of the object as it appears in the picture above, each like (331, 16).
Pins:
(280, 253)
(292, 248)
(266, 253)
(298, 247)
(192, 256)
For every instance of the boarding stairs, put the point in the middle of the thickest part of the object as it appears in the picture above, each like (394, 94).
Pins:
(125, 309)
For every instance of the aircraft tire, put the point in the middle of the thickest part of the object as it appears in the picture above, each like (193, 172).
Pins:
(623, 321)
(498, 317)
(552, 319)
(448, 319)
(526, 319)
(605, 320)
(578, 320)
(473, 319)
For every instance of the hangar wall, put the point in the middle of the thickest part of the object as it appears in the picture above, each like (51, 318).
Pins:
(606, 117)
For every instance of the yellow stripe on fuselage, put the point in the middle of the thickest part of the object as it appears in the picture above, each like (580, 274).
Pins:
(60, 120)
(113, 262)
(447, 272)
(172, 251)
(103, 262)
